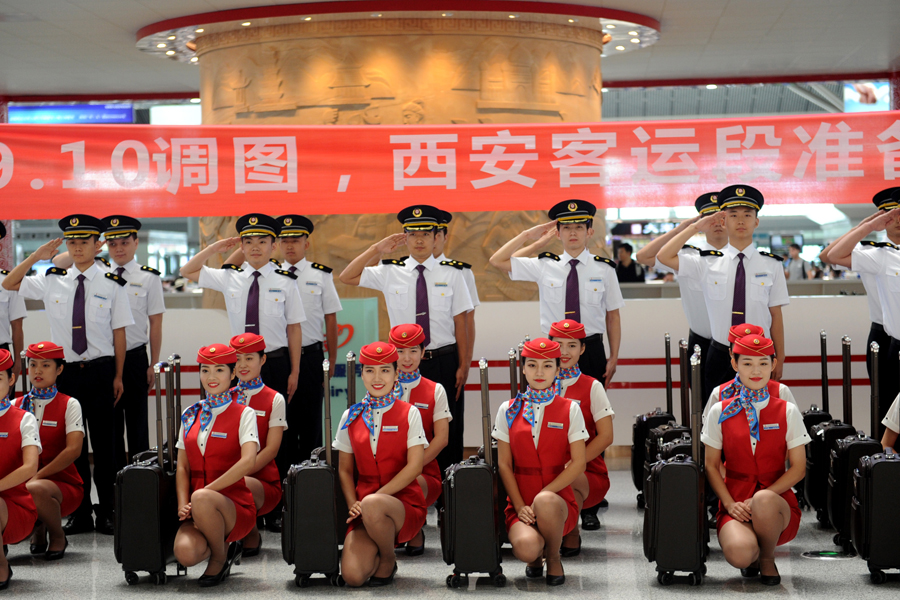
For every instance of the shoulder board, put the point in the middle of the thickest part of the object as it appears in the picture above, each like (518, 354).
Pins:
(56, 271)
(770, 255)
(549, 255)
(103, 260)
(150, 270)
(393, 261)
(403, 258)
(232, 267)
(275, 262)
(712, 253)
(4, 272)
(872, 244)
(116, 278)
(890, 245)
(689, 247)
(452, 263)
(605, 260)
(287, 274)
(322, 267)
(461, 263)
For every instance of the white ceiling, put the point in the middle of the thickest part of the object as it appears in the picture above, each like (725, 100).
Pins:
(88, 46)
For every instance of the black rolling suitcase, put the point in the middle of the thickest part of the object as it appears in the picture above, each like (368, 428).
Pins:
(470, 523)
(875, 528)
(675, 528)
(845, 458)
(315, 510)
(682, 445)
(146, 517)
(818, 453)
(642, 426)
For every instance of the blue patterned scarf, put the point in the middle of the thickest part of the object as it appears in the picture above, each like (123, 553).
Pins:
(37, 394)
(529, 399)
(249, 386)
(409, 377)
(5, 403)
(742, 397)
(205, 407)
(369, 403)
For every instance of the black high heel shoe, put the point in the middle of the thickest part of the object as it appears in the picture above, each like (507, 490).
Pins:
(39, 548)
(770, 580)
(570, 552)
(751, 571)
(554, 580)
(534, 572)
(5, 584)
(251, 552)
(56, 554)
(234, 557)
(383, 581)
(416, 550)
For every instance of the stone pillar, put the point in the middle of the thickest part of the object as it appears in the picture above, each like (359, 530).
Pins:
(404, 71)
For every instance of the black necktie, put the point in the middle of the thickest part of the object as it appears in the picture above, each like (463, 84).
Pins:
(739, 304)
(79, 335)
(422, 305)
(251, 321)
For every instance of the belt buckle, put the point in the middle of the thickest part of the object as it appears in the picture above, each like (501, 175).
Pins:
(429, 354)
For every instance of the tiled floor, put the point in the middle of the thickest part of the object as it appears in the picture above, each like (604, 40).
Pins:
(611, 565)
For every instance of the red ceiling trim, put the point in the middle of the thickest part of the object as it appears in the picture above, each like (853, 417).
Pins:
(353, 6)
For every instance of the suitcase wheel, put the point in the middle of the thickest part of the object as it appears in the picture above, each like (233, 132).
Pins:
(498, 578)
(336, 580)
(159, 578)
(665, 577)
(878, 576)
(455, 580)
(640, 501)
(695, 578)
(837, 540)
(131, 578)
(302, 581)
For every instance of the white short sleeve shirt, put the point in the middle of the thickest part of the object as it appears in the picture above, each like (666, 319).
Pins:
(414, 437)
(795, 435)
(577, 430)
(247, 431)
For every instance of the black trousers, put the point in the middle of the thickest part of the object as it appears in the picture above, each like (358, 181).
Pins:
(91, 383)
(131, 411)
(704, 343)
(718, 367)
(442, 369)
(304, 413)
(593, 361)
(889, 381)
(277, 370)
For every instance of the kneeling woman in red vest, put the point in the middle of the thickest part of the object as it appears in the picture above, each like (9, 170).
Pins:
(540, 450)
(384, 441)
(217, 448)
(271, 422)
(19, 450)
(56, 488)
(431, 400)
(591, 486)
(755, 430)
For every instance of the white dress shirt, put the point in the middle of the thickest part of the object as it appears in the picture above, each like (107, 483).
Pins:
(469, 278)
(447, 295)
(598, 288)
(28, 427)
(441, 406)
(12, 307)
(765, 286)
(884, 265)
(692, 301)
(600, 406)
(247, 431)
(277, 418)
(870, 283)
(414, 437)
(892, 418)
(577, 430)
(145, 295)
(319, 298)
(106, 308)
(279, 300)
(795, 435)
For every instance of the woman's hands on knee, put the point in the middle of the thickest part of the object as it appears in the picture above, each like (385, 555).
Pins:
(355, 510)
(526, 515)
(740, 511)
(184, 513)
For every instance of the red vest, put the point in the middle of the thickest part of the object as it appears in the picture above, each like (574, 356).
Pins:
(221, 453)
(53, 438)
(580, 390)
(391, 455)
(534, 468)
(11, 452)
(746, 472)
(422, 397)
(261, 402)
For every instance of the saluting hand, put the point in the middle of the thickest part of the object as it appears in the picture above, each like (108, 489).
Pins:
(391, 243)
(48, 250)
(710, 221)
(881, 222)
(224, 245)
(355, 510)
(526, 515)
(184, 513)
(539, 231)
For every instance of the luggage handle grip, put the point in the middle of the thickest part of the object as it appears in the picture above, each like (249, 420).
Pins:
(158, 368)
(351, 379)
(684, 366)
(697, 408)
(824, 360)
(326, 367)
(24, 372)
(846, 383)
(873, 409)
(513, 372)
(486, 411)
(668, 370)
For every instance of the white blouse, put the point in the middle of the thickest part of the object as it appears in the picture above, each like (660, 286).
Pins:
(577, 430)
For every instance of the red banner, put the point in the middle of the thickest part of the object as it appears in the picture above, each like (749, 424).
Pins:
(151, 171)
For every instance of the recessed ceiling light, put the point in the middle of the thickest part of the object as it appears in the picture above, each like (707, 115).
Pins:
(635, 41)
(245, 24)
(376, 14)
(161, 45)
(199, 30)
(194, 59)
(195, 100)
(620, 47)
(446, 14)
(512, 16)
(308, 19)
(571, 20)
(610, 26)
(604, 90)
(711, 86)
(171, 37)
(170, 53)
(632, 33)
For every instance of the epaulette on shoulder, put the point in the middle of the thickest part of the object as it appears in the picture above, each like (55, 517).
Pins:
(461, 263)
(872, 244)
(286, 273)
(770, 255)
(393, 261)
(103, 260)
(549, 255)
(116, 278)
(403, 259)
(150, 270)
(4, 272)
(711, 253)
(605, 260)
(689, 247)
(56, 271)
(275, 262)
(890, 245)
(452, 263)
(322, 267)
(232, 267)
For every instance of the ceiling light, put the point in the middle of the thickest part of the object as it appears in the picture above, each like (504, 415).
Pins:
(573, 20)
(245, 24)
(632, 33)
(170, 53)
(610, 26)
(195, 100)
(604, 90)
(198, 30)
(194, 59)
(446, 14)
(171, 37)
(308, 19)
(376, 14)
(620, 47)
(711, 86)
(635, 41)
(512, 16)
(161, 45)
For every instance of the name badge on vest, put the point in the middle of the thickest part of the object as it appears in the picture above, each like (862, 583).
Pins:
(389, 429)
(4, 434)
(219, 435)
(260, 413)
(552, 425)
(48, 424)
(770, 426)
(420, 405)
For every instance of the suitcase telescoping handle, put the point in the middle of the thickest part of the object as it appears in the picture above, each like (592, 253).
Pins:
(326, 366)
(159, 368)
(24, 372)
(697, 401)
(175, 361)
(351, 379)
(823, 350)
(684, 368)
(847, 385)
(522, 382)
(170, 412)
(486, 411)
(513, 372)
(668, 370)
(873, 410)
